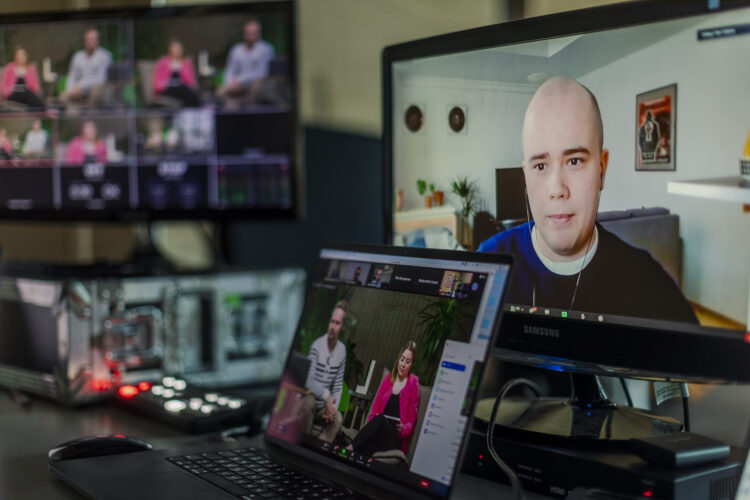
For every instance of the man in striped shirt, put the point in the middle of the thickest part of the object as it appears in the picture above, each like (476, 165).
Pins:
(325, 380)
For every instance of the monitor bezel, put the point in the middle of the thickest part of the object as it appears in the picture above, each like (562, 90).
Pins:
(143, 214)
(675, 362)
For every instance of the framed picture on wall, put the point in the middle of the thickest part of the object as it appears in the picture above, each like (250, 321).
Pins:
(655, 138)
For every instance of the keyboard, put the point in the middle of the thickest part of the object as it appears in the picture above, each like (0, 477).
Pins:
(249, 474)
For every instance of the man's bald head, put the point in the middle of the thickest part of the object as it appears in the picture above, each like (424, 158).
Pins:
(562, 88)
(564, 166)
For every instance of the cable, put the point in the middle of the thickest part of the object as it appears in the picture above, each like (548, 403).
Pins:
(685, 405)
(512, 477)
(216, 254)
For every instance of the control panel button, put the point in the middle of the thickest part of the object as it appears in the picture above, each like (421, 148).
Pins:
(175, 405)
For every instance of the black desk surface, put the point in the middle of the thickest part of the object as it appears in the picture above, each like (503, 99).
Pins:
(27, 434)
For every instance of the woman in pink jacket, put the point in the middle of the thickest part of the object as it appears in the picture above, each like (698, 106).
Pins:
(87, 147)
(20, 81)
(394, 410)
(174, 76)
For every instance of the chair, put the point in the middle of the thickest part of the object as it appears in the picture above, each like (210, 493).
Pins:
(397, 457)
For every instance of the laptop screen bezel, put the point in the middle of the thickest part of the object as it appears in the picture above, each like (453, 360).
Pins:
(374, 480)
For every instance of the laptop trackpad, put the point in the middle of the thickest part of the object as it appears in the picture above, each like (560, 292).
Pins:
(170, 485)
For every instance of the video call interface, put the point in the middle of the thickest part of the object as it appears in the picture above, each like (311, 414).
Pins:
(606, 125)
(182, 112)
(398, 325)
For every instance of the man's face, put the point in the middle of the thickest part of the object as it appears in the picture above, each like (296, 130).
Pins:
(335, 324)
(91, 40)
(251, 33)
(564, 169)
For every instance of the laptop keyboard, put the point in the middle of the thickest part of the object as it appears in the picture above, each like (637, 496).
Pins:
(249, 474)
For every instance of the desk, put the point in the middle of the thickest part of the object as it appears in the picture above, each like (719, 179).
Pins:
(27, 435)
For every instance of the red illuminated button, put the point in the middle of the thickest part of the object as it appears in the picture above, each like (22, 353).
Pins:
(144, 386)
(101, 385)
(424, 483)
(747, 337)
(647, 493)
(127, 391)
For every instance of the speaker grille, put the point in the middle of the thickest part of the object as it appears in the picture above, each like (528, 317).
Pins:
(723, 489)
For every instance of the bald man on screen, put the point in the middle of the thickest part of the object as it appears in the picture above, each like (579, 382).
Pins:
(564, 259)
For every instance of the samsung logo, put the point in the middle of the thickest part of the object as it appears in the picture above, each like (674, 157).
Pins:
(538, 330)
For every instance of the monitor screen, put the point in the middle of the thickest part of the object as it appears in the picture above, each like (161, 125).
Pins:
(387, 361)
(630, 140)
(153, 113)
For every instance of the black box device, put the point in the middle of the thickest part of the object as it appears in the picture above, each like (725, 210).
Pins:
(679, 449)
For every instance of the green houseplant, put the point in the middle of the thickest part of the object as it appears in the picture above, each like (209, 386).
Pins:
(440, 321)
(422, 190)
(468, 193)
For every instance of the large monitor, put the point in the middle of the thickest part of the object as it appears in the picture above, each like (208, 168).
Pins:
(630, 123)
(151, 113)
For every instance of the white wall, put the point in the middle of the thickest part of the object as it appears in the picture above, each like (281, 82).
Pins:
(436, 154)
(713, 119)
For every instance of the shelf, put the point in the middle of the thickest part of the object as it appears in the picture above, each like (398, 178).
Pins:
(734, 189)
(445, 216)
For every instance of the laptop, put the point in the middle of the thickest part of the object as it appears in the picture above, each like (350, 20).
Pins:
(327, 435)
(743, 485)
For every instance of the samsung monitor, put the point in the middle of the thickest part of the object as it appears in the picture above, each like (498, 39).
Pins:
(630, 125)
(148, 114)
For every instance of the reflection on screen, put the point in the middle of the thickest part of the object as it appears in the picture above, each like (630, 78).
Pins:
(604, 125)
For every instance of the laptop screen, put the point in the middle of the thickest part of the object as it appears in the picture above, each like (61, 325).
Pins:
(387, 359)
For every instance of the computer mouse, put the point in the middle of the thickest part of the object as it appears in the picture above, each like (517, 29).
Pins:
(95, 446)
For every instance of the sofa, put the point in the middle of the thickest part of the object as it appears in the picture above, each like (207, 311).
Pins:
(655, 229)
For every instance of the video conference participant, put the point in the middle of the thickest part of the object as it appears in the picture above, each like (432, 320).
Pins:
(325, 380)
(21, 82)
(394, 410)
(375, 281)
(87, 147)
(174, 76)
(564, 259)
(35, 142)
(248, 64)
(87, 74)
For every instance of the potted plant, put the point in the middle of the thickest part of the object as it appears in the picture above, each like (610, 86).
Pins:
(437, 195)
(468, 192)
(440, 321)
(422, 189)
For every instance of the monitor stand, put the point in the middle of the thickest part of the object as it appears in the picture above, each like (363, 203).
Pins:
(588, 416)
